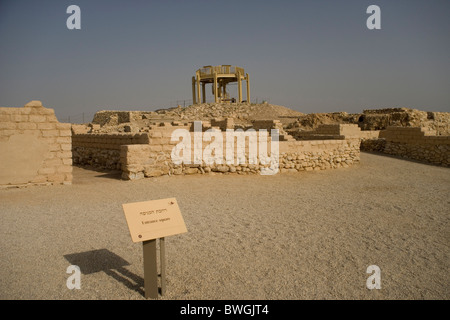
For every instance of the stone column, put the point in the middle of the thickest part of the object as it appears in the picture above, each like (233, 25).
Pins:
(203, 92)
(239, 80)
(215, 88)
(248, 88)
(193, 91)
(198, 86)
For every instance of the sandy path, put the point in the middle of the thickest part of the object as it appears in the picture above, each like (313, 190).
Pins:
(309, 235)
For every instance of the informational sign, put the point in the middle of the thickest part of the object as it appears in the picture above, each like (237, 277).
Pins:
(154, 219)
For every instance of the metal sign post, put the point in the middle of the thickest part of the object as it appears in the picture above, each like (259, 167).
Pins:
(151, 268)
(148, 221)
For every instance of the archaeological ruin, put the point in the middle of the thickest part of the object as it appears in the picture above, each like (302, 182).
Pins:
(39, 150)
(36, 149)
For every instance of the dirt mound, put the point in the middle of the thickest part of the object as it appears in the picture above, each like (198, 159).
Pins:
(377, 119)
(246, 112)
(313, 120)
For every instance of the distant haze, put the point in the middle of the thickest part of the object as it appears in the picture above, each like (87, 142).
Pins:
(311, 56)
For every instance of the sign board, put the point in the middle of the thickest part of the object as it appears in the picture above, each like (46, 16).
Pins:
(154, 219)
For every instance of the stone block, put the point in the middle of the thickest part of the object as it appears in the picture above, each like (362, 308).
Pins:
(64, 169)
(51, 118)
(56, 178)
(39, 179)
(34, 104)
(66, 146)
(64, 154)
(67, 140)
(65, 133)
(52, 162)
(191, 171)
(64, 126)
(8, 125)
(50, 133)
(54, 147)
(46, 126)
(19, 118)
(132, 175)
(47, 171)
(5, 117)
(153, 173)
(37, 118)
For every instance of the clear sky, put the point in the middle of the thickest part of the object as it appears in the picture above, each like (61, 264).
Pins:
(311, 56)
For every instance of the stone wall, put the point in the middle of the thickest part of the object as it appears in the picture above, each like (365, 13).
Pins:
(103, 150)
(412, 143)
(330, 131)
(139, 161)
(35, 147)
(149, 154)
(111, 118)
(318, 154)
(223, 124)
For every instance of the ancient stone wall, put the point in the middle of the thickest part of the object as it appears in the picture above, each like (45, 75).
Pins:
(330, 131)
(412, 143)
(106, 117)
(35, 147)
(139, 161)
(103, 150)
(223, 124)
(149, 154)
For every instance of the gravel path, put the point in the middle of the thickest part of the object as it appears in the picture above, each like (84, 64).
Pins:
(308, 235)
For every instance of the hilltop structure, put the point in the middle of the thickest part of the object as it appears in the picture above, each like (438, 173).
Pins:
(219, 77)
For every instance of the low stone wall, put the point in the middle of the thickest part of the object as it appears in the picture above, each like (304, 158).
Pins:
(373, 145)
(412, 143)
(319, 154)
(329, 131)
(117, 117)
(139, 161)
(103, 150)
(35, 147)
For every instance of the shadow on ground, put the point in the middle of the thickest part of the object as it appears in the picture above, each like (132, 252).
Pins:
(113, 265)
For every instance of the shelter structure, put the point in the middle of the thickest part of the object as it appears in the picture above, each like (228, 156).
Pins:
(219, 77)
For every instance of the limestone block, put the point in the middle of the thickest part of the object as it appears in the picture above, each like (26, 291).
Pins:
(132, 175)
(153, 173)
(46, 126)
(191, 170)
(177, 171)
(37, 118)
(8, 125)
(64, 169)
(57, 178)
(34, 104)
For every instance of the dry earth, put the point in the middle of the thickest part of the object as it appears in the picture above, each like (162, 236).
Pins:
(308, 235)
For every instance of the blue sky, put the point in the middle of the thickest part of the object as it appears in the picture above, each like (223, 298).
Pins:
(311, 56)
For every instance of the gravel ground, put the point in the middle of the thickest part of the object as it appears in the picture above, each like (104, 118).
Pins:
(308, 235)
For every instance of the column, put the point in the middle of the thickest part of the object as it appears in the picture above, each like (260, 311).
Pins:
(215, 87)
(248, 88)
(239, 88)
(193, 91)
(203, 92)
(198, 86)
